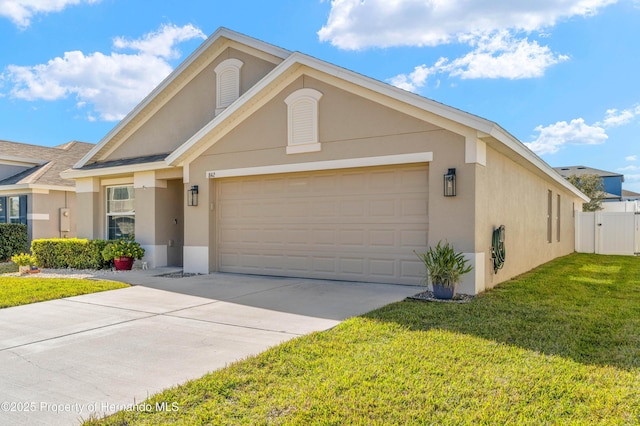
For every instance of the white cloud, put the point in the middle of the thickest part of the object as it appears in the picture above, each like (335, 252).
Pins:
(20, 12)
(496, 56)
(576, 132)
(492, 30)
(502, 56)
(629, 168)
(614, 117)
(415, 79)
(111, 83)
(161, 43)
(357, 24)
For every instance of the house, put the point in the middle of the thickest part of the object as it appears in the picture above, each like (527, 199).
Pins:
(32, 191)
(630, 195)
(253, 159)
(612, 181)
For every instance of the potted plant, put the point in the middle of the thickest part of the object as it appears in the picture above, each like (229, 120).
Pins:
(26, 263)
(123, 253)
(444, 266)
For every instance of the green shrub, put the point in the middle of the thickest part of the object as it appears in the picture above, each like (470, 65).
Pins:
(122, 248)
(13, 239)
(74, 253)
(23, 259)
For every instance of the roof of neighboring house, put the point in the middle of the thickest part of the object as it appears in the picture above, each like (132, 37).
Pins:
(583, 170)
(44, 163)
(630, 194)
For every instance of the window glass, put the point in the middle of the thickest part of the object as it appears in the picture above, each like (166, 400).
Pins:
(14, 210)
(120, 212)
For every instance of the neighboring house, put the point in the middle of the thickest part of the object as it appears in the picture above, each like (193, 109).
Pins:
(252, 159)
(612, 181)
(630, 195)
(32, 191)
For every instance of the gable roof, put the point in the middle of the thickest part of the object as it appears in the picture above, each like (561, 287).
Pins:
(172, 84)
(583, 170)
(44, 163)
(290, 66)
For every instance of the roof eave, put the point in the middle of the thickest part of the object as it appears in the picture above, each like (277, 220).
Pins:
(116, 170)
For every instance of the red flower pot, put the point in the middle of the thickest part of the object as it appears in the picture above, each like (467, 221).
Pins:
(123, 263)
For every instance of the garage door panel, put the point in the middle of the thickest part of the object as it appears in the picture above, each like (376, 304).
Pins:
(358, 224)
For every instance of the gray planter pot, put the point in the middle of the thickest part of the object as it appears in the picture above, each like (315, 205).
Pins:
(442, 292)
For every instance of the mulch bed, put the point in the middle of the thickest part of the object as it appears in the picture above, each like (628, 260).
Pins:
(427, 296)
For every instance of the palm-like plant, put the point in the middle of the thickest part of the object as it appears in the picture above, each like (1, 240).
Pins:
(444, 265)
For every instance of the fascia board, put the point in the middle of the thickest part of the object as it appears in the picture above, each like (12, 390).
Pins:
(116, 170)
(20, 161)
(5, 189)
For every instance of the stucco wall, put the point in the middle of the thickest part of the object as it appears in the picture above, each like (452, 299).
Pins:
(189, 110)
(44, 211)
(511, 195)
(88, 221)
(350, 126)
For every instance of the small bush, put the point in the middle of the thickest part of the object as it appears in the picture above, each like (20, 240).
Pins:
(23, 259)
(59, 253)
(13, 240)
(122, 248)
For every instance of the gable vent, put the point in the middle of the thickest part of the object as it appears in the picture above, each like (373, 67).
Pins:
(227, 83)
(302, 106)
(229, 88)
(302, 122)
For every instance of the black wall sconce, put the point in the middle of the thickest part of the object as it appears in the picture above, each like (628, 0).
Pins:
(192, 196)
(450, 183)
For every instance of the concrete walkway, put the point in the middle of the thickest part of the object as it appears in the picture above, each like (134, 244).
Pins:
(61, 361)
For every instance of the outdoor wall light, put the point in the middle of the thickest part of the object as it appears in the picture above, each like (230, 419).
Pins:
(192, 196)
(450, 183)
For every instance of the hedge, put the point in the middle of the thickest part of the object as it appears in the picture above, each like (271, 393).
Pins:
(13, 240)
(74, 253)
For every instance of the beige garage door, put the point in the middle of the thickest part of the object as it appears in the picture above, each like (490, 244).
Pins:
(354, 224)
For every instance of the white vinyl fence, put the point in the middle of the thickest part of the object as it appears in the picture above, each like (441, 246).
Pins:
(608, 233)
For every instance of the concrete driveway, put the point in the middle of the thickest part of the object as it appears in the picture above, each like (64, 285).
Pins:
(61, 361)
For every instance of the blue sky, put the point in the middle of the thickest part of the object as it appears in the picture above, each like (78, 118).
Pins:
(560, 75)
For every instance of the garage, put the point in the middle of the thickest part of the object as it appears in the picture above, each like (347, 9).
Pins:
(358, 224)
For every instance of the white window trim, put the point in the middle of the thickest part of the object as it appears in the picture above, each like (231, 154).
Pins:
(305, 95)
(106, 207)
(233, 65)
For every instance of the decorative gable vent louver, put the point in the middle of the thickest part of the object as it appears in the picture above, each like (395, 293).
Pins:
(302, 106)
(227, 83)
(303, 123)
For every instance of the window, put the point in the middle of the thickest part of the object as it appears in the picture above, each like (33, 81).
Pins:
(121, 215)
(558, 218)
(302, 117)
(549, 216)
(13, 209)
(227, 83)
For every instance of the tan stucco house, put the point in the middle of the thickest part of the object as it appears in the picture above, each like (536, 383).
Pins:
(302, 168)
(32, 191)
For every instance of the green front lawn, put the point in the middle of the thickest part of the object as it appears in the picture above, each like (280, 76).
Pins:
(16, 291)
(559, 345)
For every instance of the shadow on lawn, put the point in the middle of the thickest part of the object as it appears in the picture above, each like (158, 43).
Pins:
(583, 307)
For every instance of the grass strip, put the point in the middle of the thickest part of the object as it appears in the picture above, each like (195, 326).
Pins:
(15, 291)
